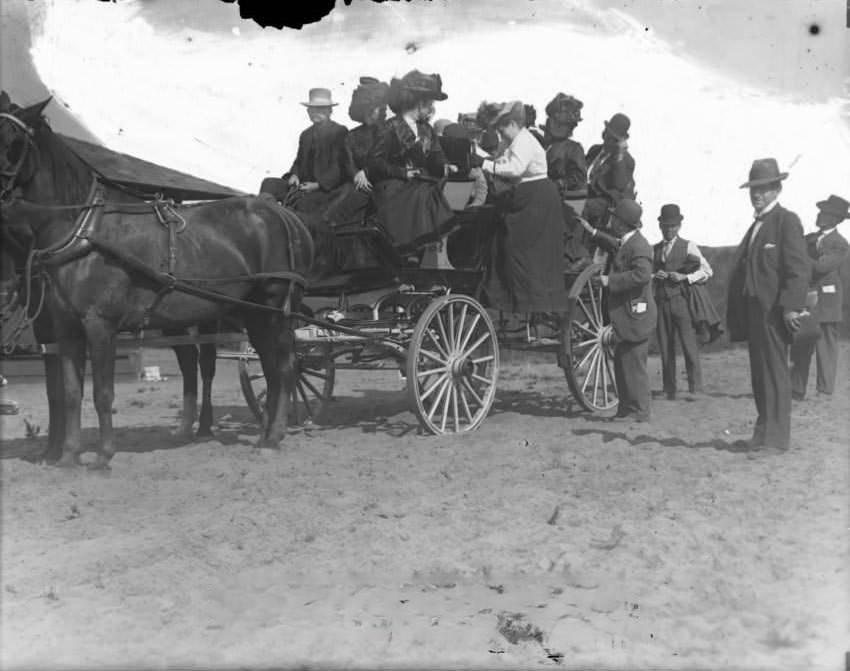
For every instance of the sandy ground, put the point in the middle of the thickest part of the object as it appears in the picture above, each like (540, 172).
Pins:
(546, 538)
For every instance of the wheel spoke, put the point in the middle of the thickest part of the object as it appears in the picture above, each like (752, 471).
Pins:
(256, 376)
(463, 402)
(596, 365)
(585, 359)
(583, 343)
(431, 371)
(586, 329)
(454, 405)
(604, 380)
(591, 318)
(446, 381)
(433, 387)
(472, 391)
(303, 396)
(589, 368)
(611, 374)
(437, 343)
(469, 332)
(460, 324)
(596, 305)
(446, 402)
(478, 342)
(432, 356)
(314, 373)
(313, 389)
(442, 328)
(482, 359)
(476, 376)
(451, 328)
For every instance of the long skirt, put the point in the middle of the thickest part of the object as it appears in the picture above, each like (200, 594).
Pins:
(413, 212)
(526, 272)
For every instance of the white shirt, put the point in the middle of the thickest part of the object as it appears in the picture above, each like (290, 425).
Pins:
(626, 237)
(523, 160)
(757, 216)
(704, 271)
(410, 119)
(824, 232)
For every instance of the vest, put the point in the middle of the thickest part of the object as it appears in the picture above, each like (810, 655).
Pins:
(675, 261)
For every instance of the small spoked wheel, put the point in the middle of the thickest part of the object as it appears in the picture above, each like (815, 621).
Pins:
(590, 346)
(452, 365)
(314, 383)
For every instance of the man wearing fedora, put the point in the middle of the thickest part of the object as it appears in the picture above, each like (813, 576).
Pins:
(322, 164)
(767, 293)
(827, 250)
(677, 264)
(632, 310)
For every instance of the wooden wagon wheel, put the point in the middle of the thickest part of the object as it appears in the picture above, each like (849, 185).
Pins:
(452, 365)
(589, 346)
(315, 374)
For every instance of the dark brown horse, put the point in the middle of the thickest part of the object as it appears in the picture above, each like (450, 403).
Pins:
(115, 262)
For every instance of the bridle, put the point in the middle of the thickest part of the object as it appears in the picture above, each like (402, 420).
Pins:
(10, 177)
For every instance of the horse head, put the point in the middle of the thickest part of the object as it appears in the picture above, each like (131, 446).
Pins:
(18, 158)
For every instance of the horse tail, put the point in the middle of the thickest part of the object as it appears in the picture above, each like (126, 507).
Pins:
(299, 239)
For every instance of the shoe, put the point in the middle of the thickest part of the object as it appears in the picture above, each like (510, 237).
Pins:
(766, 451)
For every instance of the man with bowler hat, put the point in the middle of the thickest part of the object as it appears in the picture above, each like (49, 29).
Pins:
(767, 293)
(677, 264)
(827, 250)
(631, 309)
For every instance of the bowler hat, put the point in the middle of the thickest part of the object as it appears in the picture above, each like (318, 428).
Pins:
(629, 212)
(320, 98)
(618, 126)
(836, 206)
(428, 86)
(764, 171)
(670, 215)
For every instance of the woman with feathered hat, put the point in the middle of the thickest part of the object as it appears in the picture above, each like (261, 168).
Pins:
(407, 163)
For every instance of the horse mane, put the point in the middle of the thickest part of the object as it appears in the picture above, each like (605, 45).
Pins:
(68, 177)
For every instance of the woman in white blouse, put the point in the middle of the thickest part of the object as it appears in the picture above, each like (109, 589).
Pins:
(527, 273)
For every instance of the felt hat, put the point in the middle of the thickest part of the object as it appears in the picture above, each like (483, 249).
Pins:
(629, 212)
(320, 97)
(566, 108)
(370, 93)
(764, 171)
(511, 107)
(618, 126)
(670, 215)
(427, 86)
(836, 206)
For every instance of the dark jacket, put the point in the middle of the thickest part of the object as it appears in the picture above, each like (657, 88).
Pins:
(774, 269)
(613, 178)
(567, 166)
(396, 146)
(631, 307)
(322, 156)
(359, 142)
(825, 278)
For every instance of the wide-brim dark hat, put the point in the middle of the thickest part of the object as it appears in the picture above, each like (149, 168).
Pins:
(764, 171)
(835, 205)
(629, 212)
(670, 215)
(618, 126)
(369, 94)
(424, 85)
(562, 104)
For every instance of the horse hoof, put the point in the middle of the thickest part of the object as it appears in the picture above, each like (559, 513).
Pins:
(204, 435)
(100, 464)
(68, 461)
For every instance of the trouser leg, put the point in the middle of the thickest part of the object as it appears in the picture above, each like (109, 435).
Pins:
(667, 346)
(801, 358)
(827, 357)
(755, 347)
(687, 334)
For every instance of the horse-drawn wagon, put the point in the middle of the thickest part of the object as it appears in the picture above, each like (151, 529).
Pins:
(248, 256)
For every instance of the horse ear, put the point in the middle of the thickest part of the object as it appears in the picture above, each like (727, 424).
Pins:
(5, 102)
(33, 113)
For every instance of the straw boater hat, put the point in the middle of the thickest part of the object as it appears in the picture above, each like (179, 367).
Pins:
(320, 98)
(370, 94)
(764, 171)
(836, 206)
(670, 215)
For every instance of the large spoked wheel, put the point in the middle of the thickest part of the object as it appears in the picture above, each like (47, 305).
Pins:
(314, 383)
(452, 365)
(589, 346)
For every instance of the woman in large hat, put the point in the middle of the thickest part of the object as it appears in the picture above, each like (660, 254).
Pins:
(527, 271)
(407, 163)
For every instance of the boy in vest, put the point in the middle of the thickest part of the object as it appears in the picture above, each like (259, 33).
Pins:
(677, 264)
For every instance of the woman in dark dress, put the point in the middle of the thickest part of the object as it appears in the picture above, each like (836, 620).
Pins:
(407, 164)
(527, 274)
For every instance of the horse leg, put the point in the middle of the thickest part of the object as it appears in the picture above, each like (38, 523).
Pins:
(207, 361)
(272, 338)
(101, 339)
(72, 355)
(187, 359)
(55, 407)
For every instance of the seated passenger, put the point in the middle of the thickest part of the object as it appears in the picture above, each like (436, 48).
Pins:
(527, 271)
(410, 206)
(369, 107)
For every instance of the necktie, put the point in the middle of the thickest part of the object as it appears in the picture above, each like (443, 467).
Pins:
(755, 229)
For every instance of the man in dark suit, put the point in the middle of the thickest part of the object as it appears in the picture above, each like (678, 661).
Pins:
(323, 163)
(827, 249)
(767, 293)
(631, 309)
(677, 264)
